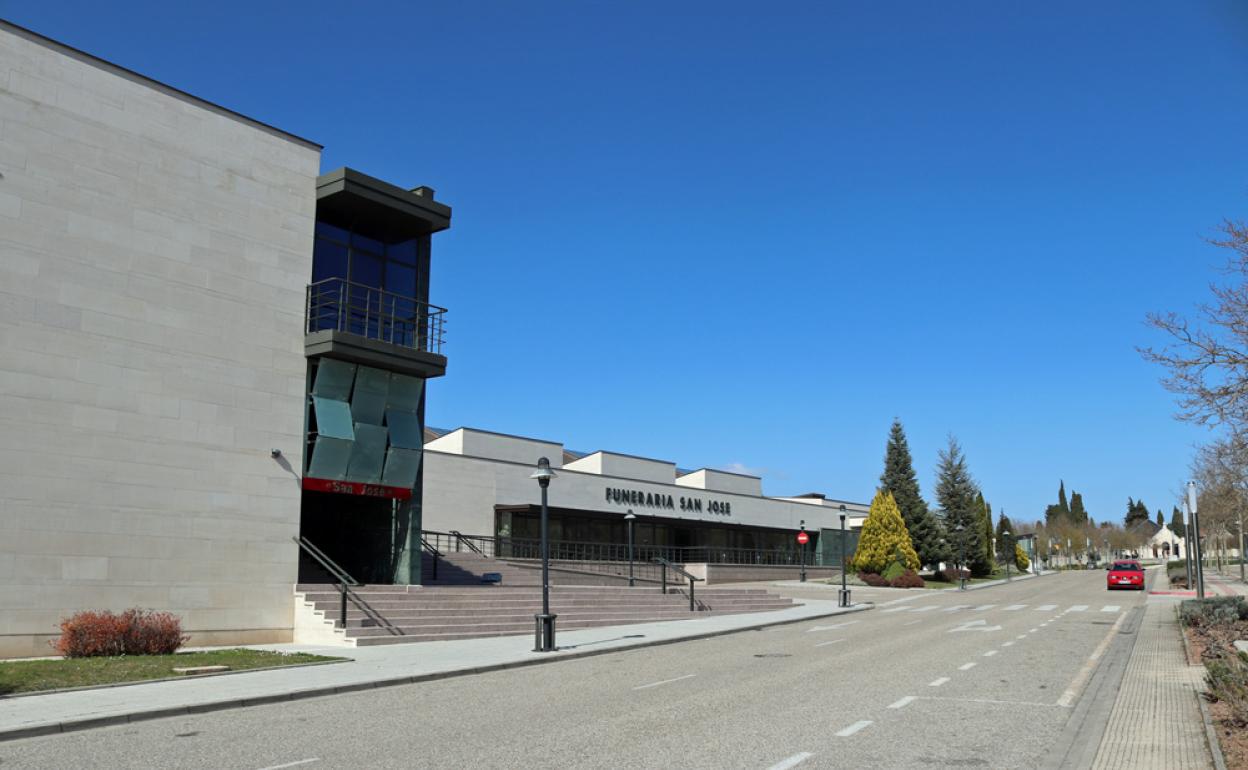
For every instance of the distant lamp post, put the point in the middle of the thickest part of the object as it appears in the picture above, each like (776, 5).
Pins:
(1008, 546)
(843, 596)
(630, 517)
(802, 557)
(961, 557)
(544, 624)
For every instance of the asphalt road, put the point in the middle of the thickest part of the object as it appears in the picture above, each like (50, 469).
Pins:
(988, 678)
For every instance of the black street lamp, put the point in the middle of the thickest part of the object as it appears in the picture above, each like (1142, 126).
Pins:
(544, 624)
(802, 556)
(961, 557)
(1008, 546)
(843, 599)
(630, 517)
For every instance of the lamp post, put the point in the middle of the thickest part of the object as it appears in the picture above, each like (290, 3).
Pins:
(544, 624)
(1187, 544)
(1200, 550)
(1008, 547)
(630, 517)
(843, 596)
(802, 556)
(961, 557)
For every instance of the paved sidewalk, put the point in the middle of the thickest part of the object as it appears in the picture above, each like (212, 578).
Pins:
(370, 667)
(1156, 721)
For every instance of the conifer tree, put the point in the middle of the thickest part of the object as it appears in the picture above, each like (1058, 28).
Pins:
(1005, 543)
(1078, 514)
(956, 494)
(1176, 522)
(1137, 512)
(884, 539)
(983, 513)
(1061, 498)
(1161, 519)
(900, 479)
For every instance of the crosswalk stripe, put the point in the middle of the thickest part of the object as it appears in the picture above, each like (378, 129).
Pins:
(1110, 608)
(957, 607)
(895, 609)
(983, 607)
(1079, 608)
(1046, 608)
(928, 608)
(1013, 607)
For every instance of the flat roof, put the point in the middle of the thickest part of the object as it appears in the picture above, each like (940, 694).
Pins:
(152, 83)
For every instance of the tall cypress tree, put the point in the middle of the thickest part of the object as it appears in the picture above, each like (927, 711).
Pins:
(1176, 522)
(983, 510)
(1061, 498)
(1137, 512)
(956, 494)
(1078, 514)
(900, 479)
(1005, 543)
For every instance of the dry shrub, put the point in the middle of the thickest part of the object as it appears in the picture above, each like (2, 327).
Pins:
(133, 632)
(908, 579)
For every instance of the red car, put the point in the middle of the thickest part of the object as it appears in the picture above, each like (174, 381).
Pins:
(1125, 574)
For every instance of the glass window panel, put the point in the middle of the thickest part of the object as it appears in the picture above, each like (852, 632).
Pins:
(329, 458)
(329, 260)
(405, 430)
(401, 280)
(333, 379)
(366, 269)
(404, 252)
(404, 392)
(368, 401)
(368, 454)
(333, 418)
(326, 230)
(361, 243)
(401, 467)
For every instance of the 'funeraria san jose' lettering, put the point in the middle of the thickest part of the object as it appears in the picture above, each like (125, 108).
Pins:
(660, 500)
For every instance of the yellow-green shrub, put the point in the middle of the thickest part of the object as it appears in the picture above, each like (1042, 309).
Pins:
(884, 539)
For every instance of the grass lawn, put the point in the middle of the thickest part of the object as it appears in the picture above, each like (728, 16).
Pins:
(929, 583)
(35, 675)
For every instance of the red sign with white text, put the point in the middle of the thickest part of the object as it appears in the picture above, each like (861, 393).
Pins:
(803, 538)
(356, 488)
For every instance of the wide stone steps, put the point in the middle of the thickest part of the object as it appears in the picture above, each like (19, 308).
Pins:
(408, 617)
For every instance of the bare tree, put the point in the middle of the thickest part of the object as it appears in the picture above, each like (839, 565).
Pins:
(1207, 361)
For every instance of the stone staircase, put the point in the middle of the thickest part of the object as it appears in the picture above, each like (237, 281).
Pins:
(459, 606)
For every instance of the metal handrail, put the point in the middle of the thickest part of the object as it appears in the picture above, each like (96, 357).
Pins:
(434, 552)
(338, 304)
(460, 537)
(692, 579)
(338, 573)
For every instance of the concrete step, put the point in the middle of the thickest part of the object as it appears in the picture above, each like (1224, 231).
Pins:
(408, 621)
(469, 607)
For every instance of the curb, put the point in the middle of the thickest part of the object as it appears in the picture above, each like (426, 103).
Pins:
(88, 723)
(995, 583)
(1211, 733)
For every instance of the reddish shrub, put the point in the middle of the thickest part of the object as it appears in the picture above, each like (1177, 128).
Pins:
(872, 579)
(951, 574)
(908, 579)
(133, 632)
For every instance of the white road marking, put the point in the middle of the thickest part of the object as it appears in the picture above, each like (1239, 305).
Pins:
(957, 607)
(938, 682)
(825, 644)
(1034, 630)
(830, 628)
(901, 704)
(1014, 607)
(990, 653)
(895, 609)
(1007, 644)
(983, 607)
(928, 608)
(1110, 608)
(966, 666)
(792, 761)
(1046, 608)
(1078, 608)
(911, 623)
(1068, 698)
(292, 764)
(974, 625)
(1021, 636)
(855, 727)
(665, 681)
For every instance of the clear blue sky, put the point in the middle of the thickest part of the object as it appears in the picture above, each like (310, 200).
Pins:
(744, 235)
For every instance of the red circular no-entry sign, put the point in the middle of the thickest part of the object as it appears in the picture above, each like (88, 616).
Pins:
(803, 538)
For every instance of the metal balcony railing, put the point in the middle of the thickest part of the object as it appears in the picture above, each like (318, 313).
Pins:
(336, 304)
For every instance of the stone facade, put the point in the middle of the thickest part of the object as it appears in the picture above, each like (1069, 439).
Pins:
(154, 252)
